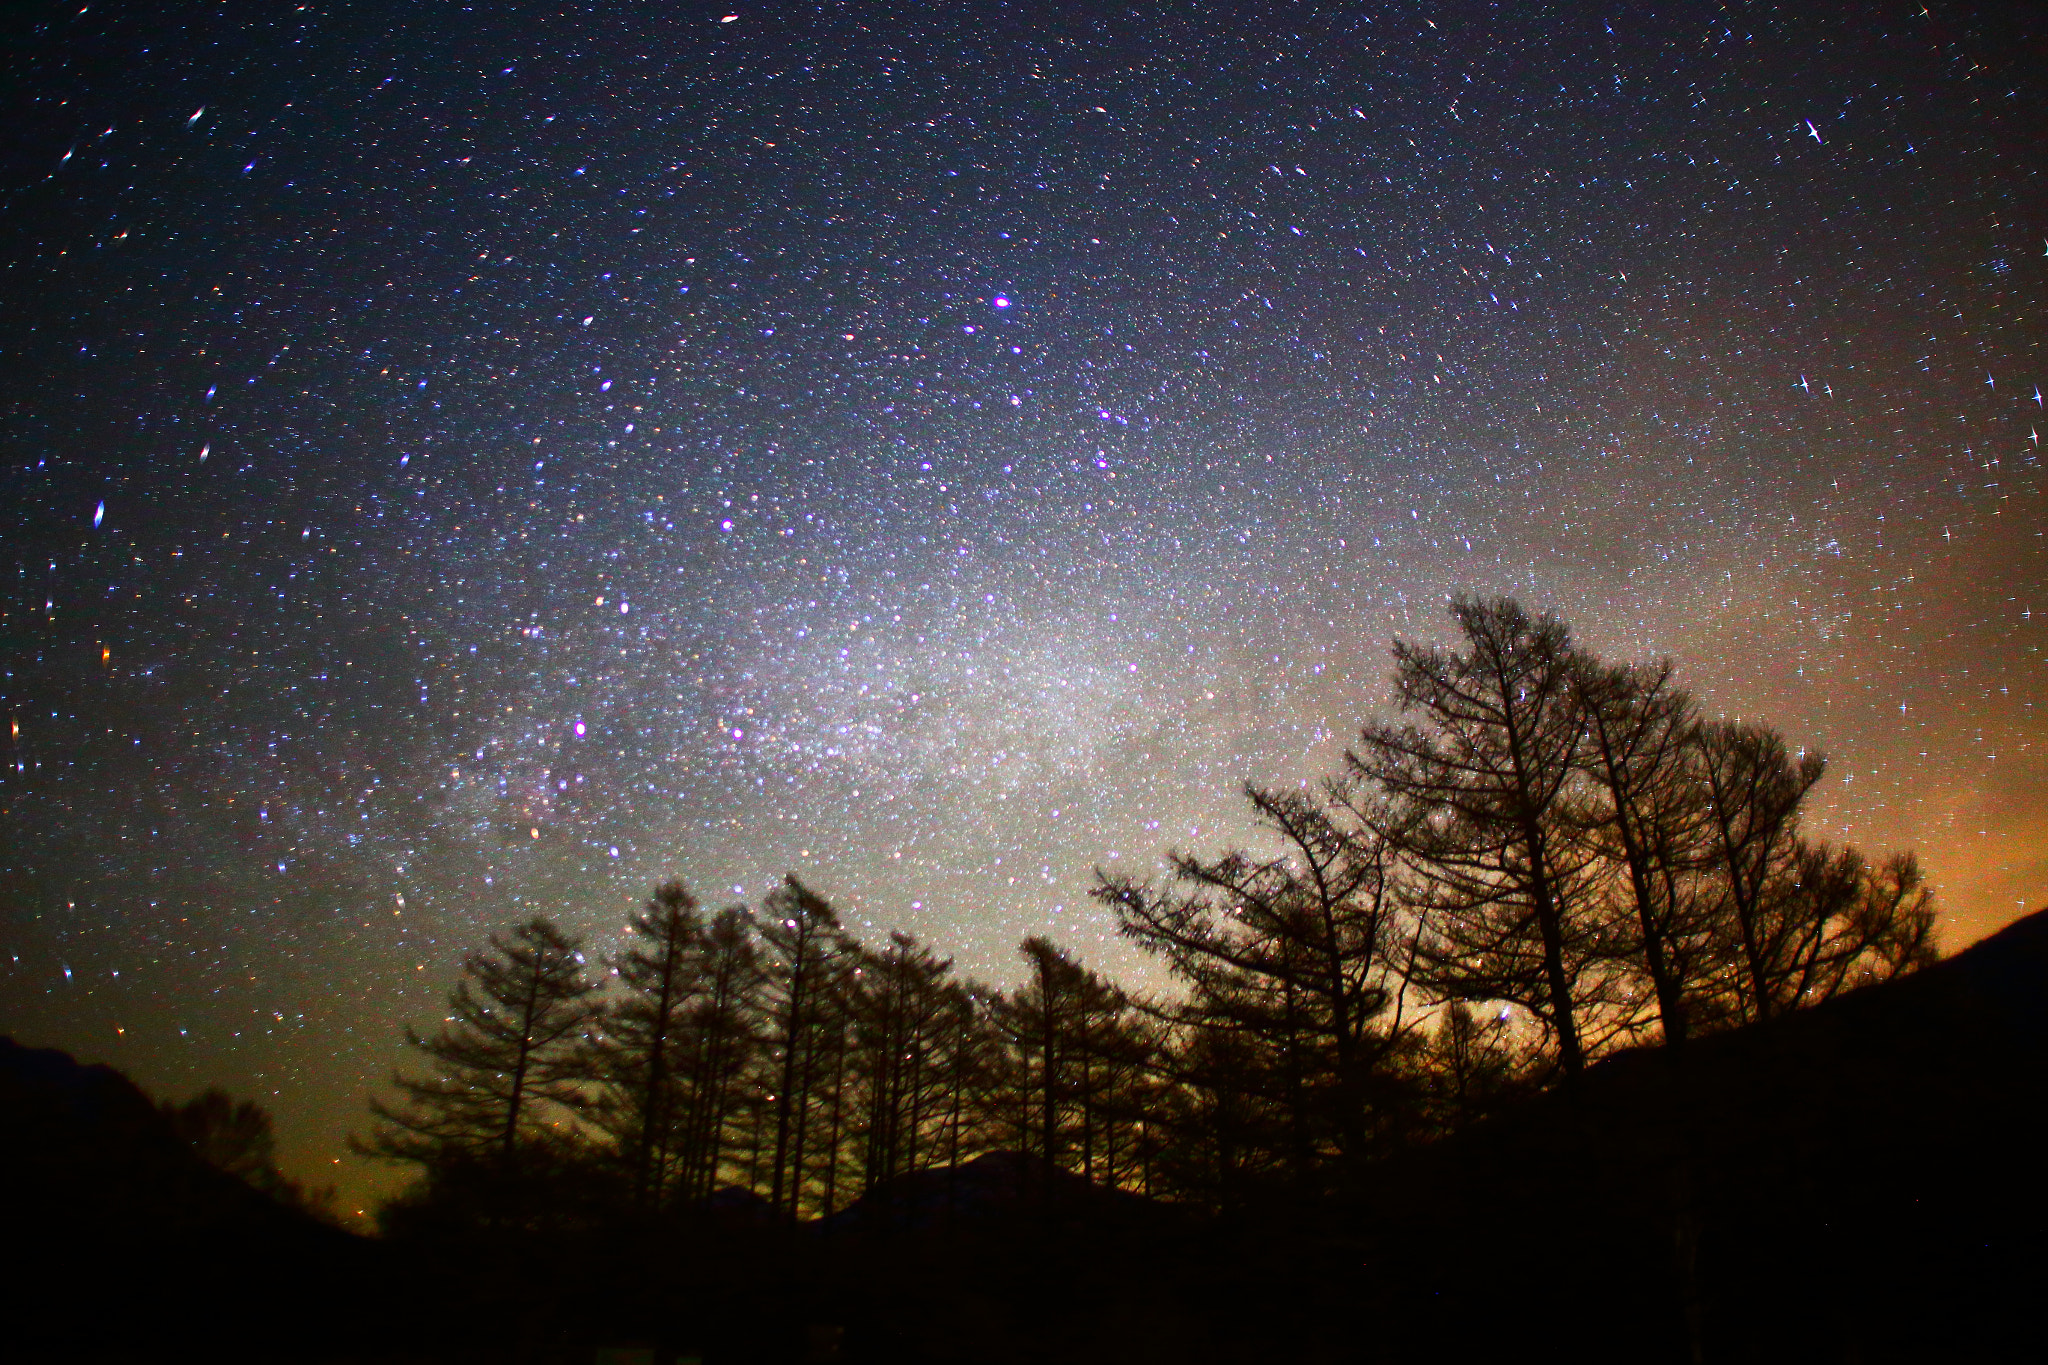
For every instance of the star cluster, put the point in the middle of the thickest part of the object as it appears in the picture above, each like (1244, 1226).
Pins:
(466, 466)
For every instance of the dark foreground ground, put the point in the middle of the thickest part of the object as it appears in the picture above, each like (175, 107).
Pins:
(1861, 1183)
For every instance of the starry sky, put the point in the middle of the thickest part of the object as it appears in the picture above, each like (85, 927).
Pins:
(460, 465)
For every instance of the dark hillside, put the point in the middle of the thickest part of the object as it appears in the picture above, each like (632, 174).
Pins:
(1862, 1181)
(1859, 1182)
(991, 1190)
(133, 1243)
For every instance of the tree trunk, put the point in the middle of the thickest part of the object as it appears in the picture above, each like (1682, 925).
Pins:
(529, 1005)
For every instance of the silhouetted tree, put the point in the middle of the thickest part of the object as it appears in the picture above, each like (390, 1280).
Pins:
(975, 1076)
(1550, 837)
(1118, 1062)
(1827, 922)
(238, 1137)
(1305, 952)
(1074, 1053)
(1894, 922)
(903, 1014)
(1647, 820)
(509, 1055)
(1774, 893)
(1473, 1061)
(1481, 793)
(806, 952)
(234, 1137)
(642, 1057)
(723, 1033)
(1218, 1132)
(1036, 1020)
(830, 1161)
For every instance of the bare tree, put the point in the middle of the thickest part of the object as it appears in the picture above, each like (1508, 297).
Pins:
(1894, 921)
(1044, 1022)
(1646, 819)
(1773, 891)
(1473, 1061)
(975, 1073)
(903, 1014)
(1483, 788)
(1117, 1060)
(238, 1137)
(1217, 1128)
(1304, 950)
(1037, 1019)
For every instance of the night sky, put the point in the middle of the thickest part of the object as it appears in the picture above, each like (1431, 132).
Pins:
(464, 465)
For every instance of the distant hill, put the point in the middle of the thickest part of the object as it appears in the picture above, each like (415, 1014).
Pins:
(103, 1161)
(139, 1244)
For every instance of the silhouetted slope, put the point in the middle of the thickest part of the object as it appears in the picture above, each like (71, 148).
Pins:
(1861, 1181)
(82, 1145)
(135, 1243)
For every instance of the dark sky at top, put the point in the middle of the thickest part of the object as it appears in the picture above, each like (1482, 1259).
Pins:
(464, 465)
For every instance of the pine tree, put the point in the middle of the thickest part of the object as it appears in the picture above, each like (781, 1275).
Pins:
(642, 1057)
(724, 1035)
(805, 952)
(902, 1017)
(508, 1056)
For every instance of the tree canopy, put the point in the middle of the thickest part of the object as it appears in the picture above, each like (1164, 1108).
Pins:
(1540, 858)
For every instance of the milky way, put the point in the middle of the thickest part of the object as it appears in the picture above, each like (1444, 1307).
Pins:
(459, 466)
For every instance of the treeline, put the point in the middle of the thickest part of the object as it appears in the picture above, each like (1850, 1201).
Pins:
(1546, 858)
(770, 1051)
